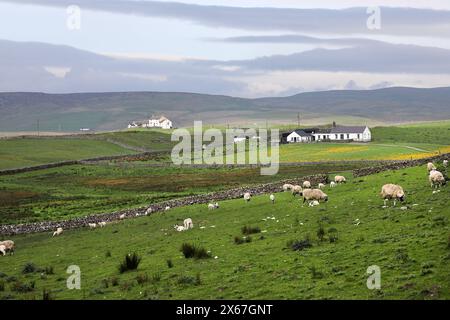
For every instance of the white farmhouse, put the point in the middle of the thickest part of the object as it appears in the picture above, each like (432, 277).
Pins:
(299, 136)
(161, 122)
(358, 134)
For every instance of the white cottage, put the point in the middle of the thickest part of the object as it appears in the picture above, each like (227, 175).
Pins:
(161, 122)
(359, 134)
(299, 136)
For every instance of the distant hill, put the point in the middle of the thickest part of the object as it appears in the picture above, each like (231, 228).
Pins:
(107, 111)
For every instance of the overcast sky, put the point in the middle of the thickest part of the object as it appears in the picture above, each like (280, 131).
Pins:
(243, 48)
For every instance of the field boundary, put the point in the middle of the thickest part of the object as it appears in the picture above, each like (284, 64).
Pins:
(48, 226)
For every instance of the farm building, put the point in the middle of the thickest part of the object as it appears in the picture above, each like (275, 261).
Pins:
(340, 133)
(161, 122)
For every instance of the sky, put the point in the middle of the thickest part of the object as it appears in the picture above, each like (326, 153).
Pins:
(243, 48)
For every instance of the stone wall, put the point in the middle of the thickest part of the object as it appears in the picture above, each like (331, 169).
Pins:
(49, 226)
(399, 165)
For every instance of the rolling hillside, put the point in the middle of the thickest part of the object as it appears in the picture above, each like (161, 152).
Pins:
(108, 111)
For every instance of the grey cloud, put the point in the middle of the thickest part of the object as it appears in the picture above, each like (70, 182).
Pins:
(400, 21)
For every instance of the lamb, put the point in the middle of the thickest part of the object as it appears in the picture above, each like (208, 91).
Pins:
(306, 184)
(392, 191)
(167, 208)
(272, 198)
(436, 179)
(3, 250)
(430, 166)
(58, 232)
(287, 187)
(247, 196)
(122, 216)
(179, 228)
(332, 184)
(340, 179)
(102, 224)
(314, 194)
(314, 203)
(297, 190)
(187, 223)
(213, 206)
(9, 246)
(92, 225)
(321, 186)
(445, 163)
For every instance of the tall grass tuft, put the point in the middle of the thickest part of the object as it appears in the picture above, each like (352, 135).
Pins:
(247, 230)
(130, 262)
(193, 251)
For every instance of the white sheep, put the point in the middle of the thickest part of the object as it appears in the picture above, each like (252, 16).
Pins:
(306, 184)
(148, 211)
(314, 194)
(213, 206)
(272, 198)
(179, 228)
(102, 224)
(167, 208)
(3, 250)
(247, 196)
(287, 186)
(321, 186)
(9, 245)
(122, 216)
(187, 223)
(436, 179)
(58, 232)
(92, 225)
(430, 166)
(332, 184)
(445, 163)
(296, 190)
(314, 203)
(340, 179)
(392, 191)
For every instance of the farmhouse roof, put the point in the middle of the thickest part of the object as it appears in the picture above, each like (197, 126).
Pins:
(302, 133)
(354, 129)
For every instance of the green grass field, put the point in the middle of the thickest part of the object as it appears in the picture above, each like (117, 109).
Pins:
(67, 192)
(411, 247)
(16, 153)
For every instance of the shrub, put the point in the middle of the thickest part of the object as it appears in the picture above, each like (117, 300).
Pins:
(29, 267)
(189, 280)
(130, 262)
(321, 233)
(315, 273)
(169, 263)
(46, 295)
(247, 230)
(193, 251)
(141, 279)
(241, 240)
(299, 245)
(23, 287)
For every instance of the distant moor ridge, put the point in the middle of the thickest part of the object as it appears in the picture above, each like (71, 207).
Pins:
(109, 111)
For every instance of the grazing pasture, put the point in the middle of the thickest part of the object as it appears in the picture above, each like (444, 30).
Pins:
(295, 252)
(73, 191)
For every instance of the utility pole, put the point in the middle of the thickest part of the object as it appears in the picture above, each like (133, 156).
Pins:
(298, 120)
(37, 127)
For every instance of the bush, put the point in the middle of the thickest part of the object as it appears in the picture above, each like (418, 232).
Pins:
(30, 267)
(299, 245)
(193, 251)
(130, 262)
(241, 240)
(247, 230)
(46, 295)
(169, 263)
(141, 279)
(23, 287)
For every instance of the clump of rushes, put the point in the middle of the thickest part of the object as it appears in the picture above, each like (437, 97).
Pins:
(247, 230)
(193, 251)
(130, 262)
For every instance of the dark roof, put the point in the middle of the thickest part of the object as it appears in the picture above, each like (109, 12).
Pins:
(285, 134)
(323, 131)
(348, 129)
(302, 133)
(311, 130)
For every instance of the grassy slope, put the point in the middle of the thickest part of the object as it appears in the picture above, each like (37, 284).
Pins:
(411, 247)
(61, 193)
(16, 153)
(152, 140)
